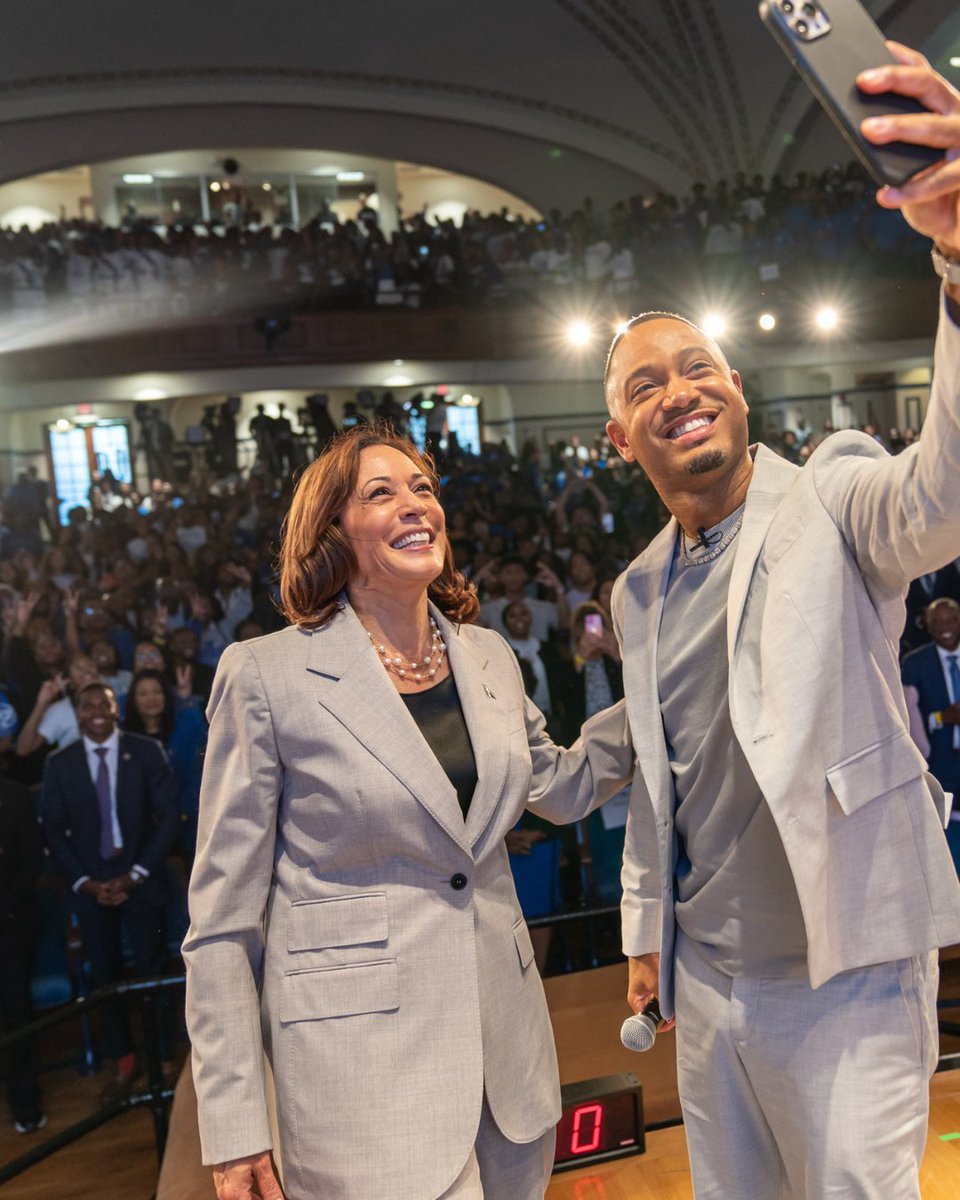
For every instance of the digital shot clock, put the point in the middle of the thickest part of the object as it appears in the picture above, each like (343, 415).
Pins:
(602, 1119)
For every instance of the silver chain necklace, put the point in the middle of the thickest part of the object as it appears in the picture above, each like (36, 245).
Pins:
(701, 560)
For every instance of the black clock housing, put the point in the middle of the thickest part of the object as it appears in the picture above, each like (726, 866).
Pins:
(602, 1119)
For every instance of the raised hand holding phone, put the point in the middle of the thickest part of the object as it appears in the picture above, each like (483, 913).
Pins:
(830, 45)
(930, 201)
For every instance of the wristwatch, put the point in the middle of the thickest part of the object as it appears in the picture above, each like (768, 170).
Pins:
(946, 268)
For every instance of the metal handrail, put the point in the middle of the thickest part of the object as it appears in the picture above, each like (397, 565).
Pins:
(157, 1096)
(84, 1004)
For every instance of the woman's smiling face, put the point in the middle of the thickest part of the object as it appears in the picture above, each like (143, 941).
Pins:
(394, 523)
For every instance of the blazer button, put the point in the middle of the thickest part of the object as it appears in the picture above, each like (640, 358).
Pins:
(458, 882)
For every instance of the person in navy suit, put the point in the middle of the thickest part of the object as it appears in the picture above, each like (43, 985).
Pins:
(937, 585)
(931, 681)
(110, 815)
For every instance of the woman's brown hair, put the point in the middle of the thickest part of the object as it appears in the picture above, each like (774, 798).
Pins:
(316, 559)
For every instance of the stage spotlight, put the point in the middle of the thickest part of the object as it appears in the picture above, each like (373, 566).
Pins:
(826, 318)
(767, 321)
(714, 325)
(579, 333)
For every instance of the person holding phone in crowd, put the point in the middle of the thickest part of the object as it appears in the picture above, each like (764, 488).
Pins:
(786, 876)
(597, 674)
(352, 908)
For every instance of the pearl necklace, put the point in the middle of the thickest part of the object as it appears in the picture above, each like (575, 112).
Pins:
(416, 671)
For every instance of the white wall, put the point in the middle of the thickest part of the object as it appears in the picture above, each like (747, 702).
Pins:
(446, 195)
(253, 163)
(44, 198)
(409, 186)
(836, 382)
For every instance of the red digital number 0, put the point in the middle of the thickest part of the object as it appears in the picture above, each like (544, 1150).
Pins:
(583, 1141)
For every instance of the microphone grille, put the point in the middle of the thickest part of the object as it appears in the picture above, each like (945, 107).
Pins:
(638, 1033)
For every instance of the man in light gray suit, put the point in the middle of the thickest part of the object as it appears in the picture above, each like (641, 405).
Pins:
(789, 916)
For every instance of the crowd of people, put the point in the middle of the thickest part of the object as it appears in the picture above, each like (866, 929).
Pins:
(786, 882)
(113, 623)
(121, 616)
(741, 227)
(142, 595)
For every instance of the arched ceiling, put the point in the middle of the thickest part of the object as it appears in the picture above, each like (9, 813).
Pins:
(552, 99)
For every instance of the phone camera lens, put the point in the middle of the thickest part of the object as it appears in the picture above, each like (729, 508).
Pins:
(802, 27)
(787, 6)
(809, 10)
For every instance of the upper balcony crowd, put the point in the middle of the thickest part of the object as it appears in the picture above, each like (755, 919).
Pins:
(742, 228)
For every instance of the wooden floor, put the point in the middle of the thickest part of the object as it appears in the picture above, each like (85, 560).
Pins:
(594, 1001)
(118, 1162)
(663, 1174)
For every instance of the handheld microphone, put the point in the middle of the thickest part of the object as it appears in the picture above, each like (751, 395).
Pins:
(639, 1032)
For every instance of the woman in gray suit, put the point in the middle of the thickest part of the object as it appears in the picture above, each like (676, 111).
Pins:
(354, 919)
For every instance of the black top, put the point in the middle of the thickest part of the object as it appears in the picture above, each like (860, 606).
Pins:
(439, 718)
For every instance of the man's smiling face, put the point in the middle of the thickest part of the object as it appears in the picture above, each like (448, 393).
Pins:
(97, 712)
(676, 407)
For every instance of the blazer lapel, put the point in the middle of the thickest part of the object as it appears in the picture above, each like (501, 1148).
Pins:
(646, 587)
(772, 476)
(483, 697)
(353, 687)
(124, 790)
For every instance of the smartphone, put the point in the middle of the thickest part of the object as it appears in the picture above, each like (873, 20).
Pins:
(593, 624)
(829, 44)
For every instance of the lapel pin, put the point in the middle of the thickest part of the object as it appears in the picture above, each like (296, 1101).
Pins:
(126, 758)
(489, 693)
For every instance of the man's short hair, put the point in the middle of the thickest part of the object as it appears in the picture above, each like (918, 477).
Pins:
(641, 319)
(943, 602)
(96, 685)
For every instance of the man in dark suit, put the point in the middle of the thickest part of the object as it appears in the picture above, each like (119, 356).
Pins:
(110, 814)
(937, 585)
(931, 681)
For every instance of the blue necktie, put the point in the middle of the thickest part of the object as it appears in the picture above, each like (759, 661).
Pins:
(102, 783)
(955, 687)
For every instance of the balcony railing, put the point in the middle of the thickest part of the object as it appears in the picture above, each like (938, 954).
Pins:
(105, 340)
